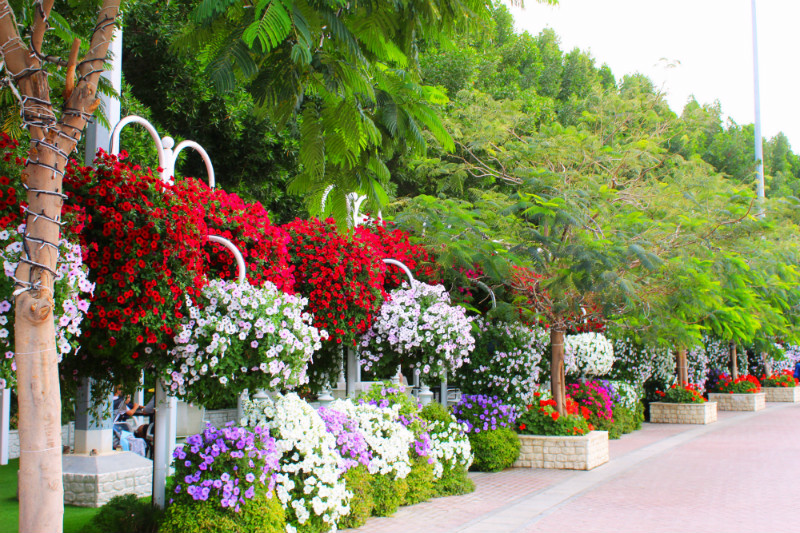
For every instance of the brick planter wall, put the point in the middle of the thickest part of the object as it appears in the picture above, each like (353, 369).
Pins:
(739, 402)
(572, 453)
(219, 417)
(782, 394)
(683, 413)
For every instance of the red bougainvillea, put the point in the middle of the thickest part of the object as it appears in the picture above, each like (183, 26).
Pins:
(143, 245)
(248, 227)
(342, 277)
(395, 244)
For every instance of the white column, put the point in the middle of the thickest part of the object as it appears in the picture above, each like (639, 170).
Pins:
(97, 136)
(5, 421)
(352, 369)
(92, 430)
(443, 389)
(166, 411)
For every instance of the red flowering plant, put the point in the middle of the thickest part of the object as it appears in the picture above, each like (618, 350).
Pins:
(247, 226)
(784, 378)
(396, 244)
(542, 418)
(682, 394)
(742, 385)
(594, 401)
(343, 278)
(142, 241)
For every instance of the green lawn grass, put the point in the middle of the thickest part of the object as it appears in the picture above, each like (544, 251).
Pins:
(74, 517)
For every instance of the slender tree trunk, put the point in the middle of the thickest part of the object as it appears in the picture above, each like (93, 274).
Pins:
(734, 362)
(767, 363)
(41, 497)
(557, 378)
(682, 366)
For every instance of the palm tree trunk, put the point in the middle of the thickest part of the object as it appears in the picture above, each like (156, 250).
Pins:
(557, 377)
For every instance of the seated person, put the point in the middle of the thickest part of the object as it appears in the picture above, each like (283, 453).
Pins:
(124, 408)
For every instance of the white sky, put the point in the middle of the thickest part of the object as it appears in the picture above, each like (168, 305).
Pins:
(712, 40)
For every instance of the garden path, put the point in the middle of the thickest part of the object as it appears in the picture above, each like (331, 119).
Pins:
(740, 474)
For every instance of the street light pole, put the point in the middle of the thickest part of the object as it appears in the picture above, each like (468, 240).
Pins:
(759, 150)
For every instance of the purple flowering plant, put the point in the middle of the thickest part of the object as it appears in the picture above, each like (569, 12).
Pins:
(229, 465)
(484, 413)
(350, 440)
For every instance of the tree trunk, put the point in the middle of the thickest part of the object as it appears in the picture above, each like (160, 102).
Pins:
(41, 498)
(557, 378)
(734, 362)
(682, 367)
(767, 363)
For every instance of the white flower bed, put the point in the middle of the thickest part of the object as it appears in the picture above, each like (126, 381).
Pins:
(449, 446)
(311, 469)
(588, 354)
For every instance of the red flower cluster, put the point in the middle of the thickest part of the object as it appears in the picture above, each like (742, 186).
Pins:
(142, 242)
(742, 385)
(10, 214)
(784, 378)
(248, 227)
(342, 277)
(395, 244)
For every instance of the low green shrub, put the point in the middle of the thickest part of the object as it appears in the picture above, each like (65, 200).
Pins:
(625, 421)
(387, 493)
(125, 514)
(420, 482)
(494, 450)
(359, 482)
(262, 514)
(454, 482)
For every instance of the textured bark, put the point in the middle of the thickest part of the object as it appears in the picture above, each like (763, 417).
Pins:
(41, 498)
(734, 362)
(557, 378)
(682, 366)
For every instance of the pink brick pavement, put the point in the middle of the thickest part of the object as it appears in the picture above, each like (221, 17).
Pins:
(740, 474)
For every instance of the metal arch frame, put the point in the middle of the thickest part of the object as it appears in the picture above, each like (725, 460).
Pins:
(488, 289)
(167, 156)
(236, 254)
(402, 267)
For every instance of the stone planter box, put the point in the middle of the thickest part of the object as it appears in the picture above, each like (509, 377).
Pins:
(683, 413)
(739, 402)
(571, 453)
(782, 394)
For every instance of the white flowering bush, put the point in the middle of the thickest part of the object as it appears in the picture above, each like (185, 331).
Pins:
(72, 291)
(636, 364)
(697, 366)
(588, 354)
(244, 337)
(505, 362)
(310, 484)
(418, 326)
(389, 440)
(629, 395)
(791, 354)
(450, 446)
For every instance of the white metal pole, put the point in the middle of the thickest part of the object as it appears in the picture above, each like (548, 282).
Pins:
(759, 149)
(161, 444)
(5, 421)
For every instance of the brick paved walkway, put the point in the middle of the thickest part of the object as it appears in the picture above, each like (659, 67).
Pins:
(741, 474)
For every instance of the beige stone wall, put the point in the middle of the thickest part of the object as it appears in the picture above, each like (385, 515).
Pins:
(95, 489)
(683, 413)
(571, 453)
(782, 394)
(739, 402)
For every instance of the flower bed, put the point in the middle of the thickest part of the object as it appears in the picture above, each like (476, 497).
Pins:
(583, 452)
(683, 413)
(782, 394)
(739, 402)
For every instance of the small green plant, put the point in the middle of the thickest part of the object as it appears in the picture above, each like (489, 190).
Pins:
(125, 514)
(359, 482)
(420, 482)
(454, 483)
(387, 493)
(494, 450)
(681, 394)
(262, 514)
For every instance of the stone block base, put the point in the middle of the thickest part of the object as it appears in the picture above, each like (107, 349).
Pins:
(90, 481)
(739, 402)
(572, 453)
(219, 417)
(782, 394)
(683, 413)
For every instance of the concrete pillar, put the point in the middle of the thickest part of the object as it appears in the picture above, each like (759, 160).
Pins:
(352, 368)
(92, 429)
(5, 423)
(166, 422)
(443, 389)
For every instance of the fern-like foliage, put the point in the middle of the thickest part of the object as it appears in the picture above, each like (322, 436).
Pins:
(347, 69)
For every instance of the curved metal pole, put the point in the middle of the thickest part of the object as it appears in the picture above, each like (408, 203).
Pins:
(324, 199)
(200, 150)
(488, 289)
(234, 250)
(402, 267)
(114, 147)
